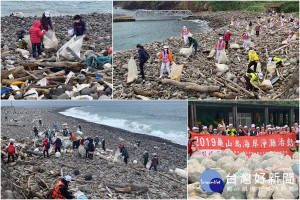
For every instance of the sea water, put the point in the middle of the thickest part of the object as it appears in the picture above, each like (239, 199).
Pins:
(56, 8)
(126, 35)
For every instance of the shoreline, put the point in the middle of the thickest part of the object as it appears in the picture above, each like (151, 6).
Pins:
(150, 137)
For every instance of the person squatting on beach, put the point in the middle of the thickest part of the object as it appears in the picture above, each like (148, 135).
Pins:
(46, 146)
(35, 38)
(219, 46)
(57, 144)
(279, 61)
(146, 157)
(11, 152)
(251, 77)
(185, 33)
(154, 162)
(166, 57)
(60, 190)
(227, 38)
(143, 57)
(193, 41)
(79, 26)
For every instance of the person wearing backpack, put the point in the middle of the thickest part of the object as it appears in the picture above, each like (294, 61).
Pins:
(11, 152)
(46, 146)
(166, 57)
(154, 162)
(143, 57)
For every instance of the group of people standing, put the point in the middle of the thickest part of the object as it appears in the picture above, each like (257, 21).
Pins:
(40, 27)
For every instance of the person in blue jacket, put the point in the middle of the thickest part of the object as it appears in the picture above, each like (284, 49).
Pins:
(79, 26)
(143, 57)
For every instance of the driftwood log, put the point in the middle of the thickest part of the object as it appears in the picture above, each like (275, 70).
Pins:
(191, 86)
(142, 92)
(14, 71)
(73, 66)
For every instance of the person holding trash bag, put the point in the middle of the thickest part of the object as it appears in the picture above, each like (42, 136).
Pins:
(124, 152)
(154, 162)
(194, 42)
(60, 190)
(46, 146)
(185, 32)
(79, 26)
(220, 45)
(46, 22)
(57, 144)
(166, 57)
(35, 38)
(143, 57)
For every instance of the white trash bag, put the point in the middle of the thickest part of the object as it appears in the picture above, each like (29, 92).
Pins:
(50, 41)
(176, 71)
(132, 71)
(75, 44)
(211, 53)
(234, 46)
(222, 67)
(223, 58)
(28, 41)
(190, 35)
(266, 85)
(186, 51)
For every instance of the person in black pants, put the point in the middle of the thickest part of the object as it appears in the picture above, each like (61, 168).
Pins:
(154, 162)
(146, 156)
(36, 132)
(143, 57)
(125, 154)
(58, 144)
(103, 144)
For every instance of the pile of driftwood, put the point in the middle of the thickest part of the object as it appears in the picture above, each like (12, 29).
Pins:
(42, 78)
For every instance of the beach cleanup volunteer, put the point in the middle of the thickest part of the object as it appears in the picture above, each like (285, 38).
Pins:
(253, 131)
(143, 57)
(251, 77)
(231, 131)
(46, 146)
(279, 62)
(253, 58)
(124, 152)
(11, 152)
(219, 46)
(257, 29)
(204, 130)
(35, 38)
(195, 129)
(60, 190)
(57, 144)
(194, 42)
(154, 162)
(227, 38)
(79, 26)
(46, 22)
(245, 38)
(296, 147)
(146, 157)
(185, 32)
(74, 140)
(166, 57)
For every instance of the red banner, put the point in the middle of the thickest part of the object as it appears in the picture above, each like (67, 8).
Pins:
(208, 144)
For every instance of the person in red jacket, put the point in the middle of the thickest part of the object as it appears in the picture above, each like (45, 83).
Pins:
(227, 38)
(11, 151)
(46, 146)
(35, 38)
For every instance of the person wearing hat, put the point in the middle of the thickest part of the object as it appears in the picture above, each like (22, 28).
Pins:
(57, 144)
(60, 190)
(193, 41)
(269, 131)
(251, 77)
(154, 162)
(231, 131)
(296, 147)
(204, 130)
(246, 130)
(238, 22)
(79, 27)
(253, 131)
(124, 153)
(46, 22)
(195, 129)
(241, 132)
(215, 131)
(245, 38)
(185, 32)
(279, 61)
(253, 58)
(91, 149)
(166, 57)
(219, 46)
(227, 38)
(11, 151)
(221, 130)
(46, 146)
(146, 157)
(257, 29)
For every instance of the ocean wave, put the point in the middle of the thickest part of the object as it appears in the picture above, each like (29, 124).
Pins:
(177, 137)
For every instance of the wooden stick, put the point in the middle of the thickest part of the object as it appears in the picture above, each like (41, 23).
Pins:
(236, 85)
(191, 86)
(142, 92)
(169, 177)
(13, 71)
(27, 72)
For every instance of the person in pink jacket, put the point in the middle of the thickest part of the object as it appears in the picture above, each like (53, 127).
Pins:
(227, 38)
(35, 38)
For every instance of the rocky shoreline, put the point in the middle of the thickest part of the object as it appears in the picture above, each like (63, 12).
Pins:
(105, 172)
(99, 31)
(202, 71)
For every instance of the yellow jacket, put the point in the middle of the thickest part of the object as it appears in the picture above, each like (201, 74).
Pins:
(253, 77)
(231, 132)
(278, 59)
(253, 55)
